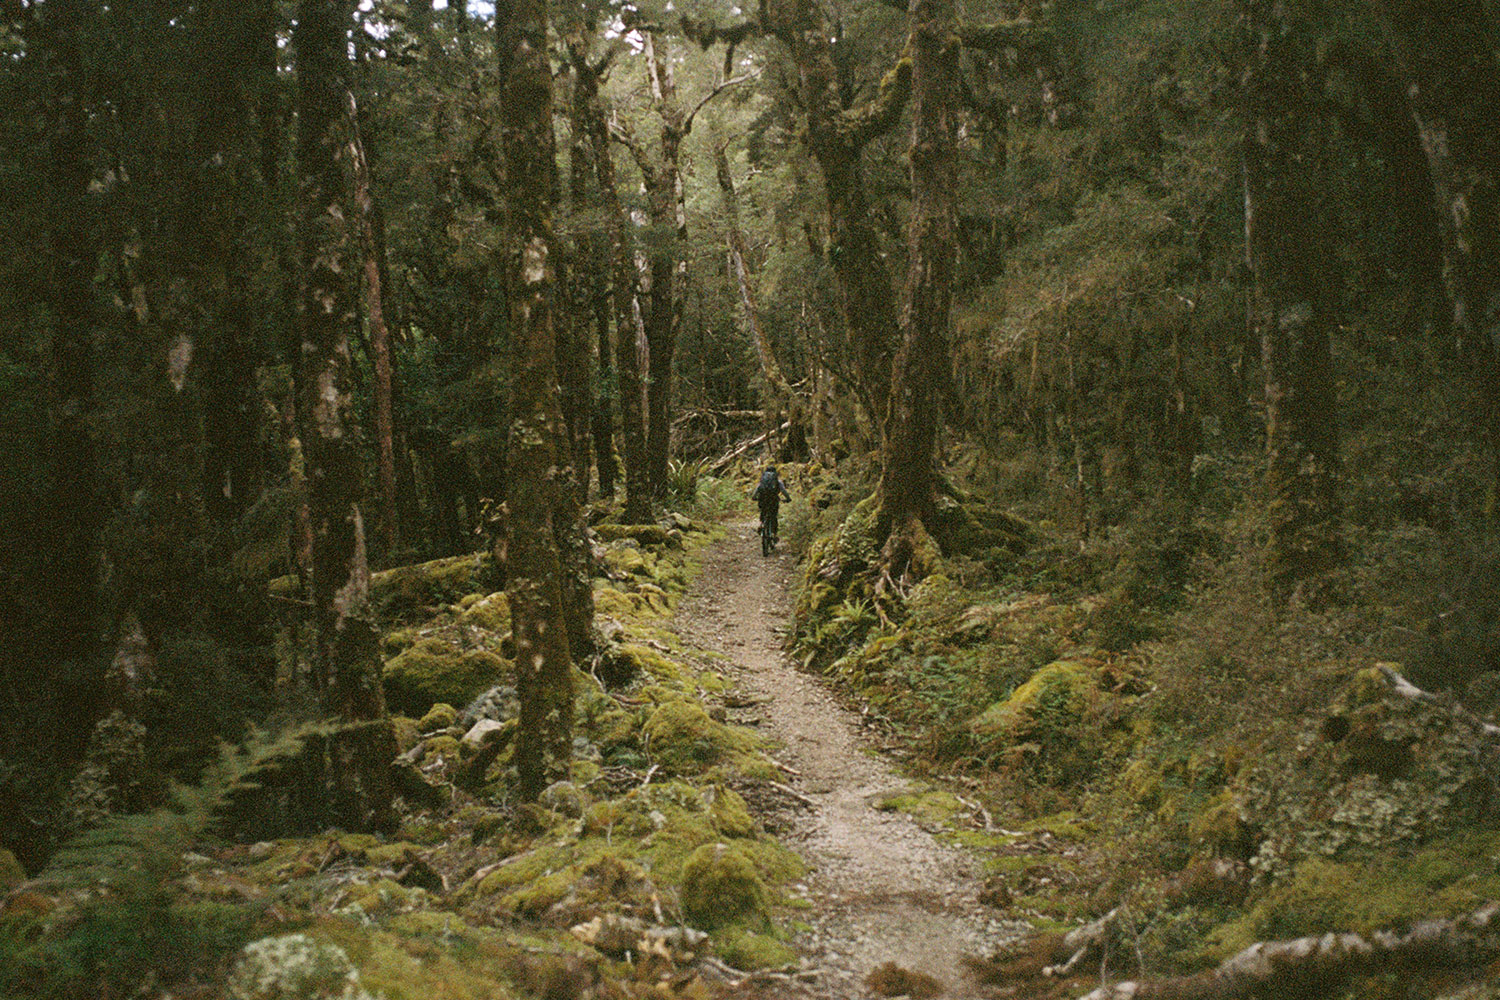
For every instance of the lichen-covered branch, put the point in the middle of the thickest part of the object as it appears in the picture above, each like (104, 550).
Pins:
(879, 115)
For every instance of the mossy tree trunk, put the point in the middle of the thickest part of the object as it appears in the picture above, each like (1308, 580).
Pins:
(668, 257)
(538, 436)
(576, 337)
(623, 277)
(1289, 307)
(348, 655)
(837, 136)
(908, 482)
(380, 335)
(1445, 51)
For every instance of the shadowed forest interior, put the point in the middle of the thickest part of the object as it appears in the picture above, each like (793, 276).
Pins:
(384, 383)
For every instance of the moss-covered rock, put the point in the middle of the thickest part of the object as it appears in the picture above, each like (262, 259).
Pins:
(750, 950)
(408, 591)
(408, 732)
(439, 716)
(684, 740)
(624, 561)
(721, 887)
(645, 534)
(433, 671)
(11, 872)
(490, 612)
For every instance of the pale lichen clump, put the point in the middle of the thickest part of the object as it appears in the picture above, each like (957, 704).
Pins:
(295, 967)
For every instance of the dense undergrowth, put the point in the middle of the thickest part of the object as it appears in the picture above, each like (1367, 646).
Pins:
(645, 857)
(1120, 720)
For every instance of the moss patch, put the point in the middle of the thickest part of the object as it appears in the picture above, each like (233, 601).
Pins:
(720, 887)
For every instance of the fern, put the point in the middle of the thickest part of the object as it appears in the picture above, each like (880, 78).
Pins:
(121, 923)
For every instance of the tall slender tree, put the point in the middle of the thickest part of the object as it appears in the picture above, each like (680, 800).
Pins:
(539, 487)
(1445, 53)
(623, 288)
(348, 654)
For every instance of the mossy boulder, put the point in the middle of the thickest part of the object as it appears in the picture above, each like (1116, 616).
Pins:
(434, 671)
(1055, 721)
(1051, 702)
(490, 612)
(294, 967)
(11, 872)
(439, 716)
(720, 887)
(645, 534)
(684, 740)
(407, 592)
(750, 950)
(408, 732)
(624, 561)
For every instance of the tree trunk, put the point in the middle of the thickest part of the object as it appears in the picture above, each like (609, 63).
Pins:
(538, 435)
(836, 136)
(380, 335)
(1445, 50)
(348, 650)
(632, 419)
(908, 486)
(70, 527)
(668, 262)
(1289, 306)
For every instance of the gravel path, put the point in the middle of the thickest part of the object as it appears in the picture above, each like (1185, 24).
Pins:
(881, 888)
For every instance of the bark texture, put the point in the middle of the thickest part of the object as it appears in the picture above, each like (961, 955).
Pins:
(380, 333)
(539, 488)
(1289, 307)
(348, 652)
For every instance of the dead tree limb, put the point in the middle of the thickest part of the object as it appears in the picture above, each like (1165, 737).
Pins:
(1275, 968)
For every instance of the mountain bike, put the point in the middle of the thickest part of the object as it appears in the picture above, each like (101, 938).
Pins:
(768, 538)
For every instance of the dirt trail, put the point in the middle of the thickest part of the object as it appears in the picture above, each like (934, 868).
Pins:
(880, 887)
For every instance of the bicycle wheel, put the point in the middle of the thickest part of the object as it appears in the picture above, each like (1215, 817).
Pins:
(766, 541)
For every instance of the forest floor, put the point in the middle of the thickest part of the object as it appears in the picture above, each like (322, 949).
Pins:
(880, 887)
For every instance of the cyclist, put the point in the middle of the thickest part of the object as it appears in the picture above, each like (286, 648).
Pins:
(767, 494)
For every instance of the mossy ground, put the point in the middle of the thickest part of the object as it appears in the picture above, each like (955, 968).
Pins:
(1128, 722)
(473, 894)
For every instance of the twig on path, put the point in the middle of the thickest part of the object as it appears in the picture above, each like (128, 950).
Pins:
(787, 790)
(785, 768)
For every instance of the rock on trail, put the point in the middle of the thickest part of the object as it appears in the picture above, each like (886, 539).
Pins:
(881, 888)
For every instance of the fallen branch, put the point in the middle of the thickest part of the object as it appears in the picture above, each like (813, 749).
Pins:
(722, 463)
(1406, 689)
(1274, 968)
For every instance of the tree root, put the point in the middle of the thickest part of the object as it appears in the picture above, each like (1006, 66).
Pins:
(1322, 966)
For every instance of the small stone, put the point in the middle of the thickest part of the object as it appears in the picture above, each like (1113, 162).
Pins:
(262, 850)
(480, 731)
